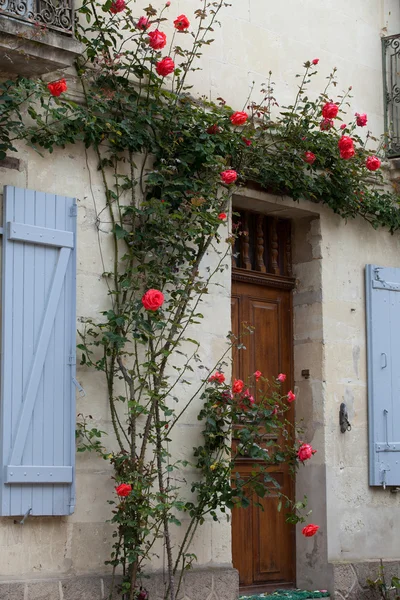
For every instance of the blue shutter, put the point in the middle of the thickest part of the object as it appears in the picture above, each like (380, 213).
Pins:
(37, 404)
(383, 339)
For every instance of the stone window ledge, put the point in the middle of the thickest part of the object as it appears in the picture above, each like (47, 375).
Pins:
(27, 50)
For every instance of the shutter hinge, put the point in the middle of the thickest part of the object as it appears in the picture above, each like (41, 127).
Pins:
(72, 359)
(73, 211)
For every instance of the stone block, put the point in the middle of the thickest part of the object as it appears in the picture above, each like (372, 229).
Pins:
(82, 588)
(44, 590)
(226, 584)
(106, 583)
(371, 570)
(198, 584)
(344, 578)
(12, 591)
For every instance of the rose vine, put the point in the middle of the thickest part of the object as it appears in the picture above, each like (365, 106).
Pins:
(169, 165)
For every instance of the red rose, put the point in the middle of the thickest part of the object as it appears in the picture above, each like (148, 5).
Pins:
(123, 489)
(305, 452)
(238, 386)
(257, 375)
(143, 23)
(222, 216)
(181, 23)
(347, 154)
(291, 397)
(56, 88)
(213, 129)
(361, 120)
(238, 118)
(372, 163)
(229, 176)
(309, 158)
(343, 126)
(330, 110)
(246, 141)
(220, 377)
(165, 66)
(152, 299)
(247, 396)
(315, 61)
(281, 377)
(346, 147)
(326, 124)
(117, 6)
(158, 39)
(310, 530)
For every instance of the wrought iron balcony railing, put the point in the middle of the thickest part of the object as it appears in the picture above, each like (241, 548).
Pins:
(391, 89)
(50, 14)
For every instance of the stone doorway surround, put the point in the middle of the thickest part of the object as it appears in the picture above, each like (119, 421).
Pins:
(312, 569)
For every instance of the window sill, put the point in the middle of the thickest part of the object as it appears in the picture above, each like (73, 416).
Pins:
(27, 50)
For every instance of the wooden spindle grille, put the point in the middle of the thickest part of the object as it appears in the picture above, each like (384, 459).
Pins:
(263, 244)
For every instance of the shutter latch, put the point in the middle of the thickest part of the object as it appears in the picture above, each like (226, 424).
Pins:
(78, 386)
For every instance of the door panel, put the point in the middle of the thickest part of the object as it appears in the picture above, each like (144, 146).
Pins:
(262, 542)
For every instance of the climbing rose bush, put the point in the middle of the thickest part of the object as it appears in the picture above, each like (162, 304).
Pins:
(163, 219)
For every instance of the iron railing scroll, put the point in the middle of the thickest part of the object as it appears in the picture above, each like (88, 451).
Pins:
(55, 15)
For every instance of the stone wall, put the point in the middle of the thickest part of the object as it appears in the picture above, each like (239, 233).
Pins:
(350, 579)
(199, 584)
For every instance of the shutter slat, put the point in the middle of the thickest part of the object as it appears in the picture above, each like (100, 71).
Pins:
(39, 290)
(383, 344)
(39, 324)
(29, 333)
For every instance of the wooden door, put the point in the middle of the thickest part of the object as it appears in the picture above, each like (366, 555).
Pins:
(263, 544)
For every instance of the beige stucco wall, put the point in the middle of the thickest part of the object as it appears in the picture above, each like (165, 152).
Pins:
(329, 258)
